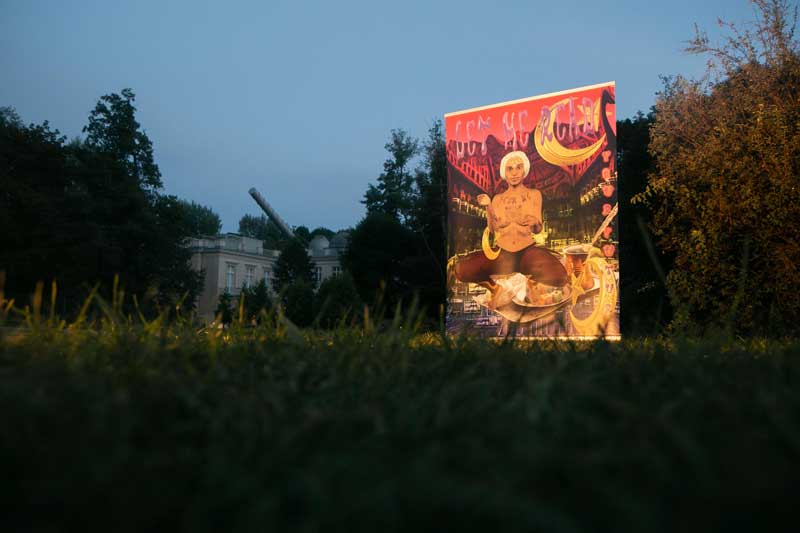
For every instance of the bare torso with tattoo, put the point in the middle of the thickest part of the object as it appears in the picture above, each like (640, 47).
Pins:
(514, 216)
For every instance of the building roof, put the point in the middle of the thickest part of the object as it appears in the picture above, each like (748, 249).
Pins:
(340, 240)
(318, 244)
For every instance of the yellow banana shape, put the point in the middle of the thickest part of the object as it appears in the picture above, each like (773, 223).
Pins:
(553, 152)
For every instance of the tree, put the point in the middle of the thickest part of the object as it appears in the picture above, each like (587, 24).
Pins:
(83, 213)
(113, 130)
(398, 251)
(164, 260)
(9, 117)
(725, 191)
(325, 232)
(201, 220)
(256, 300)
(36, 213)
(260, 227)
(647, 306)
(254, 226)
(302, 233)
(292, 265)
(224, 310)
(337, 301)
(393, 194)
(429, 221)
(297, 299)
(377, 258)
(149, 244)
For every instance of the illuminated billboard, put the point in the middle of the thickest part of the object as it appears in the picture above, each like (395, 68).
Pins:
(532, 210)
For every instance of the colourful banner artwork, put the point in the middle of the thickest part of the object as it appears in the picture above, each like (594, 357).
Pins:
(532, 191)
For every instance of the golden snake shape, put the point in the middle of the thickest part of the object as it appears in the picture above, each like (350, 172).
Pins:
(487, 249)
(596, 323)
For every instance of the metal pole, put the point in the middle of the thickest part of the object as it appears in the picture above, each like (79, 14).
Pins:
(271, 212)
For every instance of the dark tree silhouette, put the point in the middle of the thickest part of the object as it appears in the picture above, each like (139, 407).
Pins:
(337, 301)
(297, 299)
(643, 290)
(84, 212)
(260, 227)
(377, 259)
(113, 130)
(393, 195)
(200, 220)
(256, 300)
(294, 264)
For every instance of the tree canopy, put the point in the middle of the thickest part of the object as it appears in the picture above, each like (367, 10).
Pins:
(397, 252)
(292, 265)
(337, 301)
(113, 130)
(84, 212)
(325, 232)
(377, 259)
(297, 299)
(429, 221)
(725, 191)
(200, 219)
(394, 193)
(302, 233)
(642, 287)
(256, 299)
(260, 227)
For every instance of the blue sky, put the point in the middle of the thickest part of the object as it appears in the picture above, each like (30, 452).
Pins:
(298, 98)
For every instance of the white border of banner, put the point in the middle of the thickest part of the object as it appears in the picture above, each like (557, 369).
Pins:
(531, 98)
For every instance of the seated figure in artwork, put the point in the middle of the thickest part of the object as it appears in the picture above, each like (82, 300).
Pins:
(514, 217)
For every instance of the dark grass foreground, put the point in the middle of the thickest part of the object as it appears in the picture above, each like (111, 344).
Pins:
(121, 427)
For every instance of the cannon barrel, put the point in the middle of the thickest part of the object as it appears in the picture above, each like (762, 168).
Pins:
(273, 216)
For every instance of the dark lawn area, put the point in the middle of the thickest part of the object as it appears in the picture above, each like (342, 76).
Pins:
(142, 428)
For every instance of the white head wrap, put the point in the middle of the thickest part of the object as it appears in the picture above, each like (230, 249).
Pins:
(525, 161)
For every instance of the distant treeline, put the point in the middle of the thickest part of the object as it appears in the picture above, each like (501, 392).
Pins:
(82, 212)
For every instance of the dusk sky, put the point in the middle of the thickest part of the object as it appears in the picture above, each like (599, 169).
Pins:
(298, 98)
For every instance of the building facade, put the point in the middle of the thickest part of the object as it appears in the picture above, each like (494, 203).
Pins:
(233, 261)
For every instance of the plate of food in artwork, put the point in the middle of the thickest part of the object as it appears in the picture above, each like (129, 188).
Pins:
(519, 300)
(543, 296)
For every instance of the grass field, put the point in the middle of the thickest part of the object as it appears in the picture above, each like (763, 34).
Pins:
(125, 426)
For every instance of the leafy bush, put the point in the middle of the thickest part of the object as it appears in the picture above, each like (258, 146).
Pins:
(293, 265)
(224, 310)
(256, 301)
(379, 246)
(725, 191)
(297, 299)
(337, 302)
